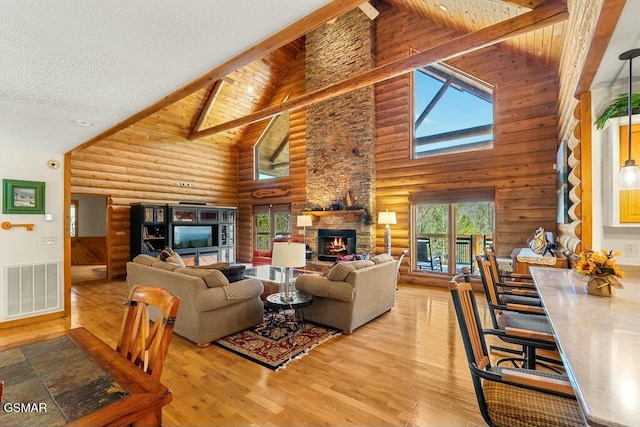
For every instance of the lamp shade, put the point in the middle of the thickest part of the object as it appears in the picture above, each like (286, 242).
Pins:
(288, 254)
(304, 221)
(629, 176)
(387, 218)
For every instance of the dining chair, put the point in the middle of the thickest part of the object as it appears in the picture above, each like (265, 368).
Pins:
(508, 291)
(1, 390)
(510, 396)
(526, 326)
(147, 327)
(425, 255)
(400, 258)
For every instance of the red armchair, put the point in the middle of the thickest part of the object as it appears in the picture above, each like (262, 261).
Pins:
(264, 257)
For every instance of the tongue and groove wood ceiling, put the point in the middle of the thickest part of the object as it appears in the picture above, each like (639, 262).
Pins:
(250, 88)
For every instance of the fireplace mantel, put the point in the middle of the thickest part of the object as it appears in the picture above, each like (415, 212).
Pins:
(351, 214)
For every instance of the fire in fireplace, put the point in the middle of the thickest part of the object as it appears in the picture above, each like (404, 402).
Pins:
(334, 243)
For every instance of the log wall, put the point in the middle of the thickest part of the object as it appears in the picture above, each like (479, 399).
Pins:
(520, 164)
(153, 161)
(292, 84)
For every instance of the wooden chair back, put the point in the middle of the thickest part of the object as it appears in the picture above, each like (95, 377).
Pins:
(1, 390)
(491, 257)
(466, 309)
(143, 342)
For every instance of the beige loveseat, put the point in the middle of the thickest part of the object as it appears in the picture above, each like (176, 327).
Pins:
(353, 293)
(210, 306)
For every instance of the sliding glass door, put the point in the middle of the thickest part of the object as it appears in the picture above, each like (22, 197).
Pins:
(451, 228)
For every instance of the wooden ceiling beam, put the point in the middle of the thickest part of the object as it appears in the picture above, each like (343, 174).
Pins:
(531, 4)
(542, 16)
(607, 21)
(206, 109)
(294, 31)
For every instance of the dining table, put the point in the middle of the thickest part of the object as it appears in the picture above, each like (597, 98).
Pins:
(599, 341)
(74, 378)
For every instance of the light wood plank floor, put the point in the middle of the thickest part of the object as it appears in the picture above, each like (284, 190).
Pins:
(406, 368)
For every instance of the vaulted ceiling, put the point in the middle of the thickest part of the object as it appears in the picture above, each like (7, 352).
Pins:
(103, 65)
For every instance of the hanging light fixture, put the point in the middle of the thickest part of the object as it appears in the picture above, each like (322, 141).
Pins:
(630, 172)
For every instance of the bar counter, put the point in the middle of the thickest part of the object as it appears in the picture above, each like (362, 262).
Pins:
(599, 340)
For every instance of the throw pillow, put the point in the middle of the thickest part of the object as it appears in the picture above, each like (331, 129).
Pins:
(341, 270)
(212, 278)
(165, 253)
(178, 259)
(233, 273)
(381, 258)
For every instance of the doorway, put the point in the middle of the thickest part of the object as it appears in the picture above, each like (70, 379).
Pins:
(88, 229)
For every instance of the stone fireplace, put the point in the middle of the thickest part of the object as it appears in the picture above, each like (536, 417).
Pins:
(335, 243)
(340, 139)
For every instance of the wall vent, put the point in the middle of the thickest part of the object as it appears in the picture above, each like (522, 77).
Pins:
(31, 289)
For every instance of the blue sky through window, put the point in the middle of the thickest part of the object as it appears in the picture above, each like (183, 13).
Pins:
(456, 110)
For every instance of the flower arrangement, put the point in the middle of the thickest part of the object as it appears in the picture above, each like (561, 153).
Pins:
(592, 263)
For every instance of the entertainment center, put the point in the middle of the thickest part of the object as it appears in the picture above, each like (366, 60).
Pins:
(201, 234)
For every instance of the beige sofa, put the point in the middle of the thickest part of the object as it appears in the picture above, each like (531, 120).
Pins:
(352, 294)
(210, 306)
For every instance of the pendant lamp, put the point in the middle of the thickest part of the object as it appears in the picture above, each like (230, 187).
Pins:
(630, 172)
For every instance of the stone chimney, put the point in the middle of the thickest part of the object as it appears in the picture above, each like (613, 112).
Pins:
(341, 131)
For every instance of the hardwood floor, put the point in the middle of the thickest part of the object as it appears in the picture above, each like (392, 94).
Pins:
(406, 368)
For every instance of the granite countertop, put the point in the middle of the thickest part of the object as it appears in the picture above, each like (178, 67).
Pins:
(599, 339)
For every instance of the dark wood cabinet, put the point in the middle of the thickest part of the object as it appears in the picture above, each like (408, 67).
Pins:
(200, 234)
(148, 229)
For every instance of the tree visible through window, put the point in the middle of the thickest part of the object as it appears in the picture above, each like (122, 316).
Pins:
(453, 112)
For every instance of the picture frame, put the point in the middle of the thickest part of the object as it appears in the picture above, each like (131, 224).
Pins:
(22, 197)
(160, 215)
(148, 214)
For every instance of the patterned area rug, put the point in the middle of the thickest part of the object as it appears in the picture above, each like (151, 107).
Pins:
(277, 340)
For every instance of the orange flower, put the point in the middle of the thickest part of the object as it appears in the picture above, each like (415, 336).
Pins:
(592, 263)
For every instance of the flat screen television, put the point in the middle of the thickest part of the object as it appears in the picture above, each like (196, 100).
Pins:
(194, 236)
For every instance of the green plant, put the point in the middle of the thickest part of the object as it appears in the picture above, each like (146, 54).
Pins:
(618, 108)
(367, 217)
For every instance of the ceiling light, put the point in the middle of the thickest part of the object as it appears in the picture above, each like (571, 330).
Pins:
(630, 172)
(83, 123)
(250, 89)
(443, 7)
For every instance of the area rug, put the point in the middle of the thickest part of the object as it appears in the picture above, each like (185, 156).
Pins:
(276, 342)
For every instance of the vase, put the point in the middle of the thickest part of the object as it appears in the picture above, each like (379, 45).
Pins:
(603, 285)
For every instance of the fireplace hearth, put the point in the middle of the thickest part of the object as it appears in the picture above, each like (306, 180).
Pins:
(333, 243)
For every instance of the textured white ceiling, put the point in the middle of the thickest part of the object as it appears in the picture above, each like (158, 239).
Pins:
(102, 61)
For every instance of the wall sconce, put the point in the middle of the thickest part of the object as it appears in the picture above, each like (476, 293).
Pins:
(630, 173)
(387, 218)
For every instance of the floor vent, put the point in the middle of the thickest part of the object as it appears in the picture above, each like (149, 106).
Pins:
(31, 289)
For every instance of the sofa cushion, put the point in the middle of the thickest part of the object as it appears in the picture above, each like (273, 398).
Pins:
(145, 259)
(215, 265)
(341, 270)
(168, 266)
(319, 286)
(382, 258)
(212, 278)
(233, 273)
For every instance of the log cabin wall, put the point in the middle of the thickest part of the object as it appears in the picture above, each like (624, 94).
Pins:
(292, 84)
(520, 164)
(147, 162)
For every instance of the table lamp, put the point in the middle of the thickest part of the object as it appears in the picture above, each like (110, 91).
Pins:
(288, 255)
(387, 218)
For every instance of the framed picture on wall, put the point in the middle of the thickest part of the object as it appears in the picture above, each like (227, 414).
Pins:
(22, 197)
